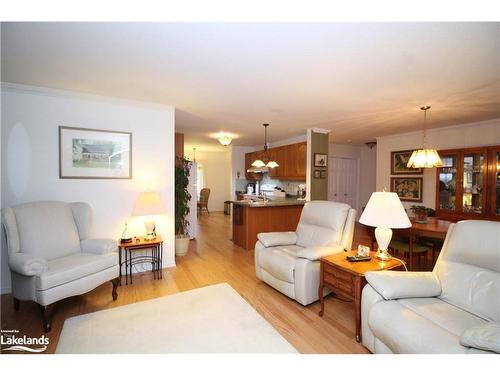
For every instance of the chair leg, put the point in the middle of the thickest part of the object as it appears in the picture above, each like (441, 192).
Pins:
(47, 316)
(115, 283)
(206, 207)
(16, 304)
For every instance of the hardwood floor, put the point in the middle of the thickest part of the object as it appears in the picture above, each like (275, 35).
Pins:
(212, 258)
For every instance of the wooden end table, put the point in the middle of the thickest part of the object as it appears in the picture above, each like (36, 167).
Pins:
(140, 243)
(346, 279)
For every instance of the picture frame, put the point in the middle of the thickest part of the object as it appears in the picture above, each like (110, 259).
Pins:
(408, 189)
(86, 153)
(320, 160)
(317, 173)
(322, 174)
(399, 159)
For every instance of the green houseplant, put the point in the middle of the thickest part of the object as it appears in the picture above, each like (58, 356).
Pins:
(182, 198)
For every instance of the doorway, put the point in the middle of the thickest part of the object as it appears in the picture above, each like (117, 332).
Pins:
(343, 180)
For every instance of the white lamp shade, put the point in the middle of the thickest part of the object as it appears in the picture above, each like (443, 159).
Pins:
(258, 163)
(385, 210)
(148, 203)
(272, 164)
(424, 158)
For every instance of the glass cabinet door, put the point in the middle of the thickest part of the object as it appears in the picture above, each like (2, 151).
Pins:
(473, 181)
(448, 176)
(495, 181)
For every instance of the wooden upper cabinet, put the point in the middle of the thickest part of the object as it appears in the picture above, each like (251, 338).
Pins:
(291, 160)
(296, 156)
(467, 185)
(249, 159)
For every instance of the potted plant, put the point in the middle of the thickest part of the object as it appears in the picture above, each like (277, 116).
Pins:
(422, 213)
(182, 198)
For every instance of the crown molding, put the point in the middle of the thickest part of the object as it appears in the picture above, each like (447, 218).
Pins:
(52, 92)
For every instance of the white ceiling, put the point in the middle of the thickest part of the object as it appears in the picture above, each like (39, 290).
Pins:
(360, 80)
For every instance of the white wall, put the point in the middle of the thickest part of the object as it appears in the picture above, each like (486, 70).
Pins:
(30, 168)
(216, 175)
(238, 165)
(468, 135)
(367, 167)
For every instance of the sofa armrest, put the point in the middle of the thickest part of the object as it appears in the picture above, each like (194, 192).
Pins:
(277, 238)
(316, 252)
(400, 284)
(26, 264)
(99, 246)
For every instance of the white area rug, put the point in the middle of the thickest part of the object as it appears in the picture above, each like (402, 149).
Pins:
(213, 319)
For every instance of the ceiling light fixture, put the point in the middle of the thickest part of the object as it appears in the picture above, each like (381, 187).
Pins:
(263, 166)
(425, 157)
(225, 140)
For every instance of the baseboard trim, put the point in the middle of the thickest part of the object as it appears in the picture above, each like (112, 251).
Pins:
(6, 290)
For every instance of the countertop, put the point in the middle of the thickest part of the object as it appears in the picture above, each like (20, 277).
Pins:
(271, 203)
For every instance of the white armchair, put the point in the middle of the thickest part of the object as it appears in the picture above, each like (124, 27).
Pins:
(50, 255)
(289, 261)
(449, 310)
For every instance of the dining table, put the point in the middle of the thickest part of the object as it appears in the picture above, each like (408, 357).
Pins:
(433, 227)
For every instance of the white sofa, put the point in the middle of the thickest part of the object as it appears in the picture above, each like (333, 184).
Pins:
(289, 261)
(432, 312)
(51, 256)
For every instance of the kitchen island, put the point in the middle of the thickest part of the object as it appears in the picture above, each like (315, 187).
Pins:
(251, 218)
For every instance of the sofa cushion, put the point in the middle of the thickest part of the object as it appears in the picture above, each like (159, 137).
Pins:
(47, 229)
(469, 268)
(278, 263)
(485, 336)
(322, 223)
(420, 325)
(73, 267)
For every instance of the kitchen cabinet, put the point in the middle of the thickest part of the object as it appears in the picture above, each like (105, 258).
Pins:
(249, 159)
(291, 159)
(467, 185)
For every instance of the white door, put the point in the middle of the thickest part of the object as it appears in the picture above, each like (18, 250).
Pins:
(343, 181)
(193, 190)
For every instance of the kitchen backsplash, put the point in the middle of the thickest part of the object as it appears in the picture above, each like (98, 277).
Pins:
(289, 186)
(241, 184)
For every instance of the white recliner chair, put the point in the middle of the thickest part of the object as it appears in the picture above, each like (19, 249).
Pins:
(51, 256)
(453, 309)
(289, 261)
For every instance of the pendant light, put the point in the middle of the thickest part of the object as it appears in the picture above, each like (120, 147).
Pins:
(263, 166)
(425, 157)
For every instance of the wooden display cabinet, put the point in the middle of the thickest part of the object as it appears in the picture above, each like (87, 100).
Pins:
(467, 184)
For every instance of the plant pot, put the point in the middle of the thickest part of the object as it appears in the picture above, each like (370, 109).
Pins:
(181, 245)
(420, 216)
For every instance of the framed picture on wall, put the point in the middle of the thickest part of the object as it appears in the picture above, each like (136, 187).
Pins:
(317, 173)
(94, 153)
(399, 159)
(320, 160)
(407, 188)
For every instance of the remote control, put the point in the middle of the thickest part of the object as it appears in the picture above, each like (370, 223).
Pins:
(352, 258)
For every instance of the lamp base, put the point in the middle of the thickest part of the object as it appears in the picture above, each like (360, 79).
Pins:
(150, 229)
(383, 237)
(383, 255)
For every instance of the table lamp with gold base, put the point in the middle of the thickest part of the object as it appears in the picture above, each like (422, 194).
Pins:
(384, 211)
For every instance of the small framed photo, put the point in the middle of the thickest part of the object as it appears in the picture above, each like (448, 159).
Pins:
(320, 160)
(94, 153)
(322, 174)
(317, 173)
(407, 188)
(399, 160)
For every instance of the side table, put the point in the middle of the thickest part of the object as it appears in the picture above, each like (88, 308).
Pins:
(346, 279)
(140, 243)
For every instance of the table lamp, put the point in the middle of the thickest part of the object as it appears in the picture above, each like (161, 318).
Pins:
(384, 211)
(149, 204)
